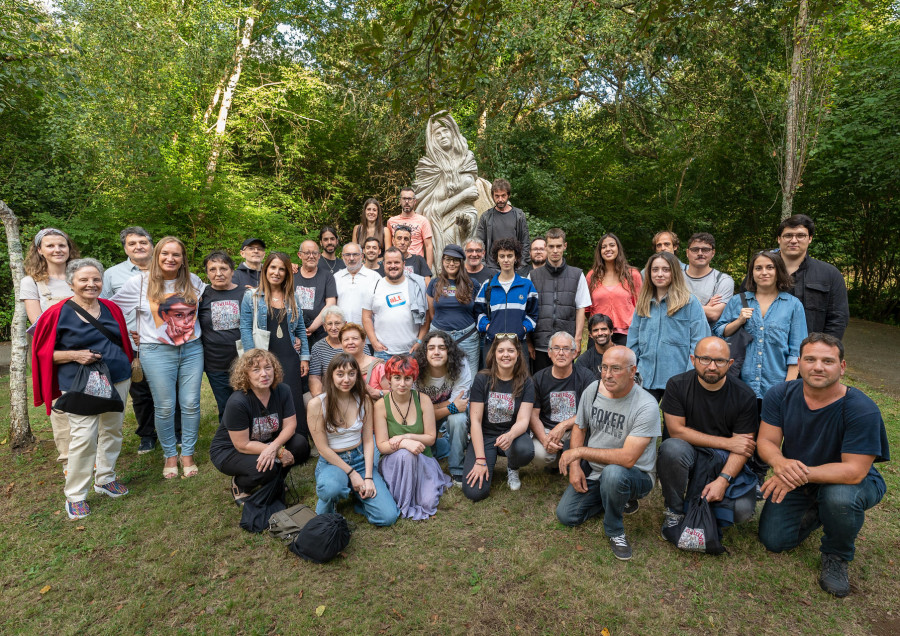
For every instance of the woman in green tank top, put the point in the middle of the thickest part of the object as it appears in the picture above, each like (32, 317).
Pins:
(404, 433)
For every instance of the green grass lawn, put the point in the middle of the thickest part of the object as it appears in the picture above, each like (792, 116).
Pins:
(171, 558)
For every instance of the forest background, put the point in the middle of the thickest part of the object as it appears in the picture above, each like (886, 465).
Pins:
(214, 120)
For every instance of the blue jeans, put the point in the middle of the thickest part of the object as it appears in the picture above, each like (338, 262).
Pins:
(455, 428)
(616, 486)
(382, 355)
(167, 367)
(333, 485)
(220, 383)
(838, 508)
(471, 346)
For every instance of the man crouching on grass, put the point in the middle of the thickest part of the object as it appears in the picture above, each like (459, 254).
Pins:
(821, 439)
(615, 431)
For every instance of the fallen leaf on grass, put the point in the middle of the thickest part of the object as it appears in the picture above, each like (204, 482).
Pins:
(118, 607)
(579, 547)
(56, 512)
(604, 632)
(174, 552)
(481, 549)
(805, 601)
(79, 527)
(9, 488)
(434, 619)
(320, 610)
(396, 613)
(421, 567)
(300, 594)
(45, 589)
(3, 443)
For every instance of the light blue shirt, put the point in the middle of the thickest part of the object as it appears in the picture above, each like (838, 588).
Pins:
(663, 344)
(114, 278)
(776, 338)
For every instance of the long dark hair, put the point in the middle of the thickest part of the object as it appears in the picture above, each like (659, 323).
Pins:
(520, 370)
(455, 357)
(286, 288)
(465, 289)
(360, 231)
(783, 280)
(623, 270)
(333, 418)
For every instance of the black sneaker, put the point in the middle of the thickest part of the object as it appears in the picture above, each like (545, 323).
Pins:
(147, 445)
(620, 547)
(632, 507)
(834, 578)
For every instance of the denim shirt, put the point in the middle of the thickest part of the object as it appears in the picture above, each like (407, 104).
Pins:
(663, 344)
(776, 338)
(296, 326)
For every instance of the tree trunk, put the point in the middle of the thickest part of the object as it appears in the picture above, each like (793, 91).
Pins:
(19, 427)
(800, 68)
(240, 52)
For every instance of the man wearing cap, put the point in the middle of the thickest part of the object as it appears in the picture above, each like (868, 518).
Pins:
(253, 251)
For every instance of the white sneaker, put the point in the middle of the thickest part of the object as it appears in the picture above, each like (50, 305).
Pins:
(512, 478)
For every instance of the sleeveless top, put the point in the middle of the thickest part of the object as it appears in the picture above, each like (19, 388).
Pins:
(349, 437)
(396, 428)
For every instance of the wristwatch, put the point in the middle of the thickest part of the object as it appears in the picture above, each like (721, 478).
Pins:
(727, 478)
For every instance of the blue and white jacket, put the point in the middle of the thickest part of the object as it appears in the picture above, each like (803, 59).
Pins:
(500, 311)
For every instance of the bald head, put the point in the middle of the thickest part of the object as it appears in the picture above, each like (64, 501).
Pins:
(352, 255)
(713, 347)
(617, 371)
(712, 359)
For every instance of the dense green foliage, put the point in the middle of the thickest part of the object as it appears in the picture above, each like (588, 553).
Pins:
(606, 116)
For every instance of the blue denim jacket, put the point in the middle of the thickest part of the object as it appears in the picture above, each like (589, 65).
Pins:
(295, 323)
(663, 344)
(776, 338)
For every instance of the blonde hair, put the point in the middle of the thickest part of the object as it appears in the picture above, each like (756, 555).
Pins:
(156, 284)
(36, 264)
(678, 294)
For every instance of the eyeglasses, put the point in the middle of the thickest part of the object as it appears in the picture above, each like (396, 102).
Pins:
(700, 250)
(352, 255)
(475, 251)
(789, 236)
(561, 349)
(616, 370)
(705, 360)
(308, 253)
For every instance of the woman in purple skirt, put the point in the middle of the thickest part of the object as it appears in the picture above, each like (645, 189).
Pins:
(404, 433)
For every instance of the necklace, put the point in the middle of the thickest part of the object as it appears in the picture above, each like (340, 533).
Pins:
(397, 407)
(343, 411)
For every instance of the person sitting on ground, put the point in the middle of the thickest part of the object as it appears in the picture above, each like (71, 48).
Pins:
(821, 438)
(445, 378)
(353, 338)
(340, 421)
(404, 433)
(258, 435)
(600, 329)
(324, 350)
(556, 392)
(711, 418)
(616, 429)
(500, 406)
(64, 340)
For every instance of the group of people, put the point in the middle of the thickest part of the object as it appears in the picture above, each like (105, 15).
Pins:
(389, 360)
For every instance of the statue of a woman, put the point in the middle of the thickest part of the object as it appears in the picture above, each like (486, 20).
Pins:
(450, 194)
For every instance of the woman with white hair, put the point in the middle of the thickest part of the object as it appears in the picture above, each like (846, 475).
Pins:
(325, 349)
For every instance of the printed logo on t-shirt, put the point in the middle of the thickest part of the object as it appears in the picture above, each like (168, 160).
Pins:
(306, 297)
(226, 314)
(397, 299)
(607, 422)
(449, 290)
(562, 405)
(408, 269)
(500, 407)
(175, 319)
(265, 427)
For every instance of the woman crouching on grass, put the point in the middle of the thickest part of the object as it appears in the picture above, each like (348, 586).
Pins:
(340, 422)
(258, 433)
(405, 432)
(500, 406)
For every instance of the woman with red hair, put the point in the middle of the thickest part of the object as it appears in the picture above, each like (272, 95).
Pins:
(404, 433)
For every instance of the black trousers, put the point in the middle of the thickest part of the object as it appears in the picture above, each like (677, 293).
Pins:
(242, 466)
(142, 403)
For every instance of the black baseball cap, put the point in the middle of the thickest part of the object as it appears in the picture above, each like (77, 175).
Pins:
(253, 240)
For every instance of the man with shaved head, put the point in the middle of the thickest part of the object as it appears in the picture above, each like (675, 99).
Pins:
(315, 288)
(711, 420)
(612, 454)
(354, 283)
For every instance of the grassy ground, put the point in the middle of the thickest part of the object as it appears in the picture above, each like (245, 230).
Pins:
(170, 558)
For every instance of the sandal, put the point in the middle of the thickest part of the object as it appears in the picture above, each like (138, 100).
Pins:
(238, 494)
(170, 472)
(189, 471)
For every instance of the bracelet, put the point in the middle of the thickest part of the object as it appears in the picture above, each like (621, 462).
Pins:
(452, 408)
(419, 340)
(280, 452)
(484, 459)
(484, 464)
(351, 471)
(369, 479)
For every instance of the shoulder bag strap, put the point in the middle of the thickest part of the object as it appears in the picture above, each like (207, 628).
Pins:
(113, 338)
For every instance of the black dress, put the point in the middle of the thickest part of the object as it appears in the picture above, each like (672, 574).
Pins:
(283, 349)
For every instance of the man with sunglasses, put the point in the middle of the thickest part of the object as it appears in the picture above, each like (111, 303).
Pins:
(711, 287)
(712, 425)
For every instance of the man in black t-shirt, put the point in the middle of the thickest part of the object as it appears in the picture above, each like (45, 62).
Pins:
(556, 392)
(600, 328)
(821, 439)
(711, 420)
(315, 288)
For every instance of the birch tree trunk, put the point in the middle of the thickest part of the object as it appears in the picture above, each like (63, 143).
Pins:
(800, 63)
(240, 52)
(19, 427)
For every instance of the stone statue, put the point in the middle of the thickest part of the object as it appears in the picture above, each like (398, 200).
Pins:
(449, 191)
